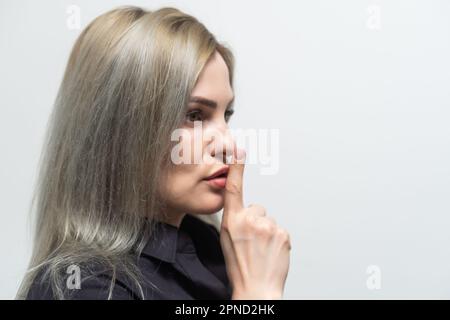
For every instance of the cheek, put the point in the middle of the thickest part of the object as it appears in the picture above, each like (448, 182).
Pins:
(185, 191)
(192, 146)
(180, 181)
(184, 188)
(195, 146)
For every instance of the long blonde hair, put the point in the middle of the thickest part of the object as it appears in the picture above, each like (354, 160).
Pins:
(124, 91)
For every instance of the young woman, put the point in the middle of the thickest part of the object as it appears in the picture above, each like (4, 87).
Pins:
(116, 215)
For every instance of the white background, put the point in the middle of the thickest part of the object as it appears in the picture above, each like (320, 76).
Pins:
(360, 93)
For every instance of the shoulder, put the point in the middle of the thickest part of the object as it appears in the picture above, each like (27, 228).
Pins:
(85, 282)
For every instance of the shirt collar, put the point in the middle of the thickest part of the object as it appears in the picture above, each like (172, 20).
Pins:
(167, 240)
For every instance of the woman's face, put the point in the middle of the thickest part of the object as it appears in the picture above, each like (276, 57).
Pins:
(205, 141)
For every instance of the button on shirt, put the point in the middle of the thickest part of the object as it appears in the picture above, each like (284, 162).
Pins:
(177, 263)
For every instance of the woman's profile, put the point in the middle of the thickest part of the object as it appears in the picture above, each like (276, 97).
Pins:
(116, 213)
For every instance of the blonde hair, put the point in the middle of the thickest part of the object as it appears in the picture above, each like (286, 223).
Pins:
(125, 89)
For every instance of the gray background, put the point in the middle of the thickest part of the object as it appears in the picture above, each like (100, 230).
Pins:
(360, 93)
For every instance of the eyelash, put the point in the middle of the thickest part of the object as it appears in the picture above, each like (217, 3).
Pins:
(228, 114)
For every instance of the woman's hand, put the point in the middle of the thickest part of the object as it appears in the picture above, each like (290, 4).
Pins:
(256, 250)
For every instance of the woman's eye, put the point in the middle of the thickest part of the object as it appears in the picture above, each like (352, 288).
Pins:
(195, 115)
(198, 115)
(228, 114)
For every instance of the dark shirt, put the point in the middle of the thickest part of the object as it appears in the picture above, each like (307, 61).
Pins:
(178, 263)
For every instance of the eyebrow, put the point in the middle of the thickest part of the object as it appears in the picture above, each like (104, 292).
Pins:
(209, 103)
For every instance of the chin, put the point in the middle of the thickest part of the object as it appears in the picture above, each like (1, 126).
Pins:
(208, 204)
(206, 210)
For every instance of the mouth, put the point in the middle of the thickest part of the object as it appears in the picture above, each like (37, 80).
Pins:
(219, 178)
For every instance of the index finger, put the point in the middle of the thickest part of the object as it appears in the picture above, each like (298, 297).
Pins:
(233, 188)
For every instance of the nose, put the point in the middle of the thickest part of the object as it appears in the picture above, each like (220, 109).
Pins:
(221, 144)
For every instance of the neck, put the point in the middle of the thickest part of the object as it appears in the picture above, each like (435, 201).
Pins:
(174, 219)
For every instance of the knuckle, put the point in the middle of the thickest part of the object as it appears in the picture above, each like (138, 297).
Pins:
(285, 237)
(249, 219)
(272, 227)
(273, 221)
(283, 234)
(248, 223)
(265, 227)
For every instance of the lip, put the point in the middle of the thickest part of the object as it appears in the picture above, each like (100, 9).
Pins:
(219, 183)
(219, 178)
(221, 172)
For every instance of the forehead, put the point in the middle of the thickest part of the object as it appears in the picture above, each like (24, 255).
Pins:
(213, 82)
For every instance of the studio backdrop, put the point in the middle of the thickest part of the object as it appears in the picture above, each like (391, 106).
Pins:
(345, 110)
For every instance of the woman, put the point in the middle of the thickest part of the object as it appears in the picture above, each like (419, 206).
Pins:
(116, 211)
